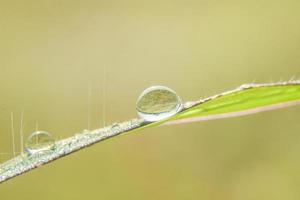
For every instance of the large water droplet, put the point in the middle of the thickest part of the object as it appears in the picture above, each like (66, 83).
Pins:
(158, 102)
(39, 141)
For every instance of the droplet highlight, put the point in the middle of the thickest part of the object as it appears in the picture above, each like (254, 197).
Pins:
(39, 141)
(157, 103)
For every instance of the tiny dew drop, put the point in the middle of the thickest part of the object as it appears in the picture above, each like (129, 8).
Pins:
(39, 141)
(157, 103)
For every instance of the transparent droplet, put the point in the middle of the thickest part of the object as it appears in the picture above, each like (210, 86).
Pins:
(115, 126)
(158, 102)
(39, 141)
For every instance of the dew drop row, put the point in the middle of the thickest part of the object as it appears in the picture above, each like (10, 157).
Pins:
(155, 103)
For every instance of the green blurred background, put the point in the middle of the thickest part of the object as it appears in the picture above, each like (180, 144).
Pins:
(53, 51)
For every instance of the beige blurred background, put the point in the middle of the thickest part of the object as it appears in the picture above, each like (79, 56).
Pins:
(52, 52)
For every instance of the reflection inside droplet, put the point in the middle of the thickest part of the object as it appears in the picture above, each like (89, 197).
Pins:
(158, 102)
(39, 141)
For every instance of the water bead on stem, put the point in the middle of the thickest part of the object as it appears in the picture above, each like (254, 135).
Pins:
(157, 103)
(39, 141)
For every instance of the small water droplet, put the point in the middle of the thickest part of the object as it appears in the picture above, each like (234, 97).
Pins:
(39, 141)
(157, 103)
(115, 125)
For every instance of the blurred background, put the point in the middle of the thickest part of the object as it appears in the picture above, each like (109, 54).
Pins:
(53, 54)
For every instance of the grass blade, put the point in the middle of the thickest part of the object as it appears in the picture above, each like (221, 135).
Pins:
(247, 99)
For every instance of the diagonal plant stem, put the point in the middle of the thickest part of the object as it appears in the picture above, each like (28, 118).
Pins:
(234, 114)
(23, 163)
(26, 162)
